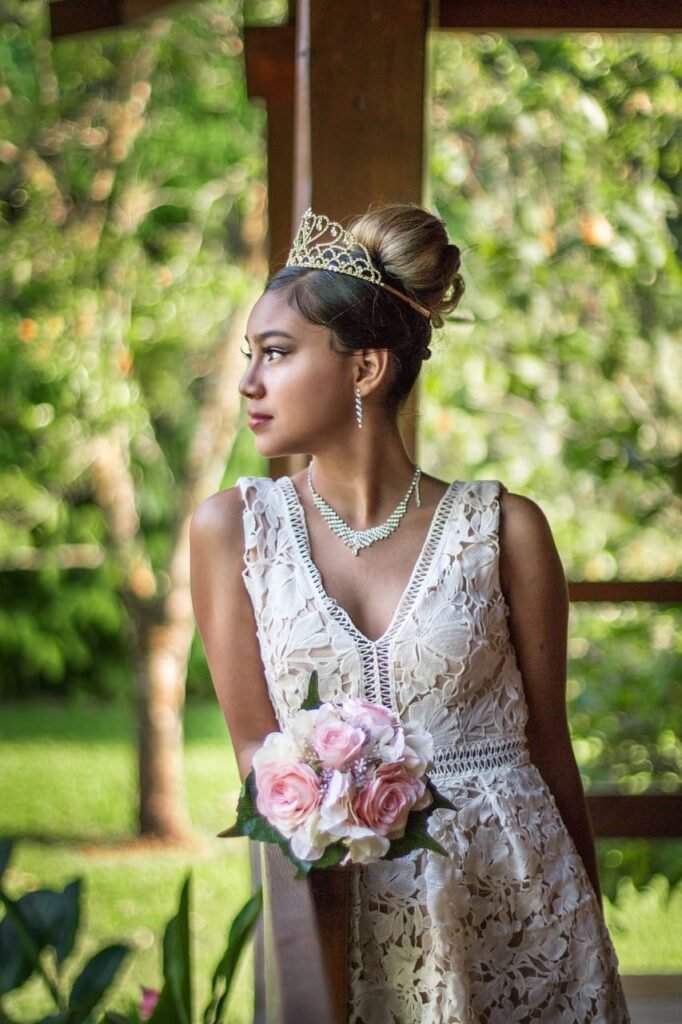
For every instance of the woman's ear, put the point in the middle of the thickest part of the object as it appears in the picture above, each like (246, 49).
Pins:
(373, 366)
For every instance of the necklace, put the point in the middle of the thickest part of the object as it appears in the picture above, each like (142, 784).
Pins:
(356, 540)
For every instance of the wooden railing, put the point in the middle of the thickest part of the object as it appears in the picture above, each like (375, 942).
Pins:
(301, 967)
(649, 815)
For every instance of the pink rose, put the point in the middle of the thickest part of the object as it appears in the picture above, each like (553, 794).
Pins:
(374, 717)
(384, 804)
(337, 743)
(287, 794)
(150, 998)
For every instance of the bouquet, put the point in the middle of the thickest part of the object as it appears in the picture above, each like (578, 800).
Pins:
(344, 783)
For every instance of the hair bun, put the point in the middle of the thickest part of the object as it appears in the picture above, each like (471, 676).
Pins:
(411, 245)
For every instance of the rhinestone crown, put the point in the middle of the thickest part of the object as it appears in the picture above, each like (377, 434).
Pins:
(322, 244)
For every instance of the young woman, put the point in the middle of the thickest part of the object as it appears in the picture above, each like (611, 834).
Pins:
(453, 615)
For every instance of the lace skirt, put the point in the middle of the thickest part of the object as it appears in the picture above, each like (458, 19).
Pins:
(506, 929)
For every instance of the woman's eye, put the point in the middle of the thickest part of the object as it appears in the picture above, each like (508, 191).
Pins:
(273, 353)
(245, 352)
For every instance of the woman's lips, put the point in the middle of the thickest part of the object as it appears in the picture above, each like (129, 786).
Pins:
(256, 421)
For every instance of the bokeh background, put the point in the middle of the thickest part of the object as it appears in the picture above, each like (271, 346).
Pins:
(132, 241)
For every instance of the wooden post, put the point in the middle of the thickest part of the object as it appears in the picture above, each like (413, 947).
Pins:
(359, 111)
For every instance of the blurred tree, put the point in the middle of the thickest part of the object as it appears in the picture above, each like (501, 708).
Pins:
(132, 239)
(557, 164)
(131, 227)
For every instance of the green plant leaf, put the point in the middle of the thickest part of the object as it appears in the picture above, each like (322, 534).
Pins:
(332, 855)
(438, 799)
(18, 955)
(416, 837)
(175, 1002)
(66, 920)
(312, 700)
(240, 930)
(5, 854)
(94, 980)
(22, 937)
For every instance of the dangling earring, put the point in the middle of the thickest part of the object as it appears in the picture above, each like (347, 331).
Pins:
(358, 407)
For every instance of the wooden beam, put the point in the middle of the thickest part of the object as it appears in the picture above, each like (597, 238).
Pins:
(650, 816)
(360, 110)
(297, 988)
(360, 99)
(70, 17)
(571, 16)
(269, 55)
(620, 591)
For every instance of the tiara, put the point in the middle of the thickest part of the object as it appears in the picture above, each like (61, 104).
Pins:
(322, 244)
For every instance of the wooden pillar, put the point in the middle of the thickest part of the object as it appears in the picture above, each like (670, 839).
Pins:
(359, 104)
(359, 111)
(270, 76)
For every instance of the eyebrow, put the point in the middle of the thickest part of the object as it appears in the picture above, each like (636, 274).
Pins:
(260, 338)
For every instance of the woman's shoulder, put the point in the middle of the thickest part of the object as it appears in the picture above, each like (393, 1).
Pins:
(521, 517)
(220, 517)
(216, 521)
(527, 548)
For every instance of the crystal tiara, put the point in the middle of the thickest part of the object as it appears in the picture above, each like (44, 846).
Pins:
(322, 244)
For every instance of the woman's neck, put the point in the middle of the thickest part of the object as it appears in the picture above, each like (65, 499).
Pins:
(363, 481)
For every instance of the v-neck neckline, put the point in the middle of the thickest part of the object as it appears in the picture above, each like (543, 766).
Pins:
(432, 541)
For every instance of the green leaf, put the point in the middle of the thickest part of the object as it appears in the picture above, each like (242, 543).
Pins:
(66, 921)
(332, 855)
(250, 822)
(416, 837)
(5, 854)
(312, 700)
(240, 930)
(438, 799)
(175, 1002)
(22, 937)
(94, 980)
(50, 919)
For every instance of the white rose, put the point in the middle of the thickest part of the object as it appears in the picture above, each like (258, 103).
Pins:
(335, 812)
(301, 727)
(418, 750)
(365, 846)
(276, 749)
(309, 841)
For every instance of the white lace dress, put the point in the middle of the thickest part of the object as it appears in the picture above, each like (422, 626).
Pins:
(507, 928)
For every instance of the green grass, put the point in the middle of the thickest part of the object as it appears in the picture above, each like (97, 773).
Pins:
(67, 793)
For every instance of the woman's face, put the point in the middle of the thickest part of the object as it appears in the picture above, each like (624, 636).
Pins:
(299, 391)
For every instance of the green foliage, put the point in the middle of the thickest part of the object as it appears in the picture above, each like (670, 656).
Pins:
(556, 163)
(131, 164)
(174, 1004)
(625, 697)
(131, 169)
(37, 934)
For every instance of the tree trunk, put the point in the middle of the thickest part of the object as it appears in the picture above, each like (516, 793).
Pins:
(161, 673)
(162, 626)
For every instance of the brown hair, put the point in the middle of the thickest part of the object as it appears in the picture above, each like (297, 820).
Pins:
(411, 249)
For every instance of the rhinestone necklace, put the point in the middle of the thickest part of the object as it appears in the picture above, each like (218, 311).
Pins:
(356, 540)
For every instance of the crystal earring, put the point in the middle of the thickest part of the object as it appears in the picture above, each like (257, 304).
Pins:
(358, 407)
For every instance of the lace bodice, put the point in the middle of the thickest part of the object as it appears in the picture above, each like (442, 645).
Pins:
(507, 927)
(445, 660)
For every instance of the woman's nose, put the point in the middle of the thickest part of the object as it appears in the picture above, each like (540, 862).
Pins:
(250, 385)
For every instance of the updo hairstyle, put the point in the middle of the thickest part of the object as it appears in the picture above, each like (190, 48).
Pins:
(411, 250)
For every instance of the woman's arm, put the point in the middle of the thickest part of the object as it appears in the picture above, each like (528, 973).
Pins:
(226, 623)
(535, 589)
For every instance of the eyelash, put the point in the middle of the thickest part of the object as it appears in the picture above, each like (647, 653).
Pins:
(270, 351)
